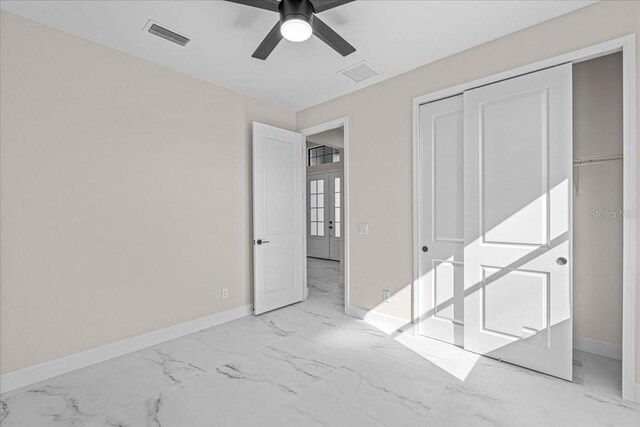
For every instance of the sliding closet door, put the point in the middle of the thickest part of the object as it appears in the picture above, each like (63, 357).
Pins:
(441, 310)
(517, 227)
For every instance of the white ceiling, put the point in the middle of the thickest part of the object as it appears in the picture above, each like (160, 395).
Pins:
(392, 36)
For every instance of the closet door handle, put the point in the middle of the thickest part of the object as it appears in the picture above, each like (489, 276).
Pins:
(561, 261)
(260, 241)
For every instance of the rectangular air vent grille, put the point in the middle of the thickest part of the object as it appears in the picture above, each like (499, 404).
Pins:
(359, 72)
(166, 34)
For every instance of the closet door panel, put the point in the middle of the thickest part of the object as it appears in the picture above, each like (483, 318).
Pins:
(440, 188)
(517, 226)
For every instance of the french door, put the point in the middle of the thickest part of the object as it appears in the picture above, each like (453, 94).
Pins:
(335, 225)
(323, 215)
(516, 259)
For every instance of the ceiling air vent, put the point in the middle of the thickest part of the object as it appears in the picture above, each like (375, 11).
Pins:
(167, 34)
(359, 72)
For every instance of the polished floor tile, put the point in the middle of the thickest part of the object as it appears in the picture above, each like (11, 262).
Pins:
(598, 373)
(311, 365)
(162, 410)
(317, 406)
(460, 406)
(392, 393)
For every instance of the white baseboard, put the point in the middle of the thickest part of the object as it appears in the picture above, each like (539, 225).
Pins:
(600, 348)
(53, 368)
(384, 322)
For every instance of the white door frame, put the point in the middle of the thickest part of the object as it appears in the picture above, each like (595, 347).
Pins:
(626, 45)
(342, 122)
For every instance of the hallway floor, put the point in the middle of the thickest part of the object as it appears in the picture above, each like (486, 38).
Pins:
(310, 365)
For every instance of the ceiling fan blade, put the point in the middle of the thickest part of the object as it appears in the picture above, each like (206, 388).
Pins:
(271, 5)
(269, 43)
(330, 37)
(322, 5)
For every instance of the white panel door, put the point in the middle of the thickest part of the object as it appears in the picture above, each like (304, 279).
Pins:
(335, 225)
(517, 198)
(278, 215)
(441, 287)
(317, 218)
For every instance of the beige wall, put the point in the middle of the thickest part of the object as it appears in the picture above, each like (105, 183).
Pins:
(380, 120)
(125, 195)
(597, 267)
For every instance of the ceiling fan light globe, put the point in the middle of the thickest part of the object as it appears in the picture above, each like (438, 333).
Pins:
(296, 30)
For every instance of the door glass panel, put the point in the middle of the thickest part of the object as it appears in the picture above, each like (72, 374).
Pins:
(316, 208)
(336, 198)
(323, 155)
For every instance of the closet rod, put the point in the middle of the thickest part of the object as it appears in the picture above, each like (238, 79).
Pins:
(588, 160)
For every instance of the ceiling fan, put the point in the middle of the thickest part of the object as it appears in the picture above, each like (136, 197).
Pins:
(297, 22)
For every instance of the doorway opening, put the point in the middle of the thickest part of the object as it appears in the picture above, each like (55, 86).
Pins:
(598, 223)
(325, 214)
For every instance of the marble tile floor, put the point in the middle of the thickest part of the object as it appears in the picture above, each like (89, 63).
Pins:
(310, 365)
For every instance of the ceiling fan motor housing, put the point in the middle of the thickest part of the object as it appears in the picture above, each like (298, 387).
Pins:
(296, 9)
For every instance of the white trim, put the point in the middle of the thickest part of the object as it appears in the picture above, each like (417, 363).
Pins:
(629, 226)
(342, 122)
(627, 45)
(416, 215)
(601, 348)
(53, 368)
(384, 322)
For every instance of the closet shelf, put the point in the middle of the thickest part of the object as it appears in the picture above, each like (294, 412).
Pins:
(589, 160)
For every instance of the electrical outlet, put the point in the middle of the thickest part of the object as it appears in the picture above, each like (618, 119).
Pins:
(386, 296)
(225, 293)
(363, 229)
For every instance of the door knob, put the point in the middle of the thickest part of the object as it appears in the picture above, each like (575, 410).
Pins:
(260, 241)
(561, 261)
(425, 249)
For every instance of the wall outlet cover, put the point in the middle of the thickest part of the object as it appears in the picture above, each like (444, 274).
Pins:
(386, 295)
(363, 229)
(225, 293)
